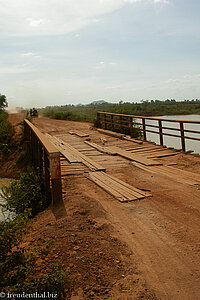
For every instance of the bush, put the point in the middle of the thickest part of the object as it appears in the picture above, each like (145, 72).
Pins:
(11, 234)
(62, 115)
(3, 115)
(6, 132)
(22, 125)
(27, 192)
(19, 271)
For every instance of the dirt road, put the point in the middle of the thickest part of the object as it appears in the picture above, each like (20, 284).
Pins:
(156, 240)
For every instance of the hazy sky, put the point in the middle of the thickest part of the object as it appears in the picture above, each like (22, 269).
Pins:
(76, 51)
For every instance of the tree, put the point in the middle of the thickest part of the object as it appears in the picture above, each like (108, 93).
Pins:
(3, 102)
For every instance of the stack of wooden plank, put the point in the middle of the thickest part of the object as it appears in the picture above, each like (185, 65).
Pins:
(116, 187)
(152, 151)
(70, 168)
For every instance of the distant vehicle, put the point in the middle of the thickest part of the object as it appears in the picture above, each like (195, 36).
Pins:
(33, 112)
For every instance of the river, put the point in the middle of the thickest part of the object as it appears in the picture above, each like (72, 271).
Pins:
(174, 141)
(3, 182)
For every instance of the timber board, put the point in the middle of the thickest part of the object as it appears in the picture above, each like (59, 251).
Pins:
(117, 188)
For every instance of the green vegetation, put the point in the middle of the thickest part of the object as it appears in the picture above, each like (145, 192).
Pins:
(23, 159)
(6, 129)
(26, 192)
(145, 108)
(3, 102)
(19, 269)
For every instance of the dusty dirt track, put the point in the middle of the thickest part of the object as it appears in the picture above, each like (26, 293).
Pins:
(144, 249)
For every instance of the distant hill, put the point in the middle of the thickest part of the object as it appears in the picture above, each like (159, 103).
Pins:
(98, 102)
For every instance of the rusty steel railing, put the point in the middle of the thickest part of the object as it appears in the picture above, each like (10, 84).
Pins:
(46, 160)
(114, 121)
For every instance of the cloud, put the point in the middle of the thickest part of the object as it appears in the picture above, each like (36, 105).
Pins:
(18, 69)
(35, 23)
(27, 54)
(161, 1)
(30, 54)
(103, 64)
(52, 17)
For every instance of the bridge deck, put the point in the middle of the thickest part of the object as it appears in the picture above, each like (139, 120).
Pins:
(84, 153)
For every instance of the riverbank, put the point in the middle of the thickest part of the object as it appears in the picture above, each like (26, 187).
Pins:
(144, 108)
(9, 167)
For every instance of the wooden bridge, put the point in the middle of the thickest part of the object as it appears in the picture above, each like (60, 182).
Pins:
(145, 195)
(93, 153)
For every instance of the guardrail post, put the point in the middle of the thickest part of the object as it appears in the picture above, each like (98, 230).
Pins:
(40, 159)
(32, 146)
(112, 123)
(55, 174)
(144, 129)
(182, 136)
(47, 178)
(121, 124)
(131, 127)
(160, 132)
(98, 120)
(105, 124)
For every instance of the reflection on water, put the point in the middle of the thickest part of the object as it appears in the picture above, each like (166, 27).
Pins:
(175, 142)
(3, 182)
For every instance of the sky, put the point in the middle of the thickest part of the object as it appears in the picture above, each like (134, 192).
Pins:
(57, 52)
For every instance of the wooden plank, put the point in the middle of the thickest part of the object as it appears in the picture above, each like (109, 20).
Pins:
(134, 189)
(72, 173)
(125, 192)
(105, 186)
(91, 164)
(134, 157)
(111, 133)
(130, 148)
(147, 149)
(132, 140)
(172, 173)
(113, 191)
(117, 188)
(71, 157)
(100, 148)
(161, 154)
(78, 133)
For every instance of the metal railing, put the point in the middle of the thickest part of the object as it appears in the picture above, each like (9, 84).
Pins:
(118, 122)
(46, 160)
